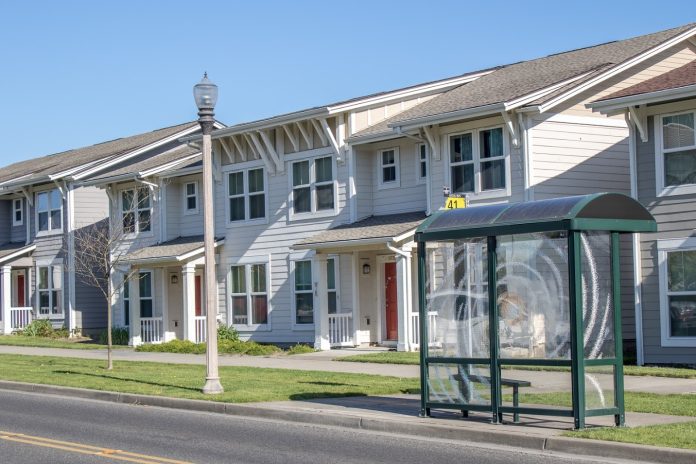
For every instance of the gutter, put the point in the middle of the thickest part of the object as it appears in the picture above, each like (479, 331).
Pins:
(614, 104)
(447, 117)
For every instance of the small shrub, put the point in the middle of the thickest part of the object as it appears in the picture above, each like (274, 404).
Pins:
(38, 328)
(60, 333)
(174, 346)
(224, 347)
(119, 336)
(300, 348)
(227, 333)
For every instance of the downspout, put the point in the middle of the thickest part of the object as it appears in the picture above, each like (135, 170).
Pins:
(525, 157)
(70, 196)
(637, 257)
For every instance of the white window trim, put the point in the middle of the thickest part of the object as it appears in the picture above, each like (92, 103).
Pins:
(477, 194)
(50, 231)
(196, 195)
(137, 233)
(50, 264)
(245, 180)
(419, 179)
(396, 183)
(660, 189)
(15, 203)
(313, 213)
(140, 295)
(247, 262)
(295, 325)
(664, 247)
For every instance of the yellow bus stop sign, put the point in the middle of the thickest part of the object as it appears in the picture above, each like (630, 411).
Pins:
(455, 202)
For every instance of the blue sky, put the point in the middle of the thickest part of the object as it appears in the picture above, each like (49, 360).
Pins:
(74, 73)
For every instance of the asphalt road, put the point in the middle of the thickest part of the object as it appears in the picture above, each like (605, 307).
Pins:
(51, 429)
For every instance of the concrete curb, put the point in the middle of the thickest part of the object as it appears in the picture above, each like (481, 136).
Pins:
(575, 446)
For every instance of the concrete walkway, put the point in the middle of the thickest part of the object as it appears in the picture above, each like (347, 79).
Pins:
(324, 361)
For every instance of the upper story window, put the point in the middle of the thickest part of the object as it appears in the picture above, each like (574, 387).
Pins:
(191, 197)
(247, 195)
(249, 293)
(136, 210)
(49, 210)
(48, 289)
(421, 163)
(389, 168)
(678, 140)
(313, 188)
(17, 212)
(478, 161)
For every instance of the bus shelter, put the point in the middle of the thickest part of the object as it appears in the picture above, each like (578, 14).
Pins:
(519, 287)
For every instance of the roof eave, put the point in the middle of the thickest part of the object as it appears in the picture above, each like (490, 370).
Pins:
(448, 117)
(614, 105)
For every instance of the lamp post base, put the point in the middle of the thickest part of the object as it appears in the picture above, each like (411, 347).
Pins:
(212, 386)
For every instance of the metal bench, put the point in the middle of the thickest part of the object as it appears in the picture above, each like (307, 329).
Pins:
(515, 384)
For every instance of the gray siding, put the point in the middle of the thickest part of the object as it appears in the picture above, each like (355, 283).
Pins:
(5, 221)
(18, 233)
(676, 218)
(363, 183)
(179, 222)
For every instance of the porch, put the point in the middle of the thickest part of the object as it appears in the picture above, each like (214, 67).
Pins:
(16, 266)
(165, 296)
(365, 283)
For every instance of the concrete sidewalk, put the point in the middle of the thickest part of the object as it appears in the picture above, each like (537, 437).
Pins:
(542, 381)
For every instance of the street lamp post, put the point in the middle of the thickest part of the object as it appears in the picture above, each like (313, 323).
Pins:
(205, 93)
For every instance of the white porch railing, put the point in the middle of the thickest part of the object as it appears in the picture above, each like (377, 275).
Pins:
(151, 329)
(341, 329)
(20, 318)
(199, 327)
(432, 329)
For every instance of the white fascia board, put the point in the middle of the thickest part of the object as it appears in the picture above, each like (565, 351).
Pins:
(513, 104)
(379, 137)
(264, 123)
(71, 171)
(180, 172)
(415, 91)
(167, 166)
(342, 243)
(617, 69)
(198, 251)
(108, 180)
(131, 154)
(448, 117)
(29, 181)
(617, 105)
(18, 253)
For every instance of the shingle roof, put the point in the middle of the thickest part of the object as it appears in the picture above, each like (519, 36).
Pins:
(44, 166)
(11, 248)
(520, 79)
(146, 163)
(680, 77)
(374, 227)
(172, 249)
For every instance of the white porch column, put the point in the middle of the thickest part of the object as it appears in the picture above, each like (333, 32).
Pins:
(134, 299)
(188, 278)
(321, 312)
(6, 292)
(403, 299)
(167, 335)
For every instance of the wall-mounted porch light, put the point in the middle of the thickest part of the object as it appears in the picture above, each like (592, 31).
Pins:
(366, 268)
(174, 279)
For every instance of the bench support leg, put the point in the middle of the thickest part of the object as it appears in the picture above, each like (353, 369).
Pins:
(515, 403)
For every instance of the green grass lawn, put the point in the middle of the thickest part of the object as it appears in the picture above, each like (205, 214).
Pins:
(671, 435)
(242, 384)
(42, 342)
(413, 358)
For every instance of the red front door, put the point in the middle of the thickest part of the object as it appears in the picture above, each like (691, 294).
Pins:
(198, 295)
(20, 291)
(390, 301)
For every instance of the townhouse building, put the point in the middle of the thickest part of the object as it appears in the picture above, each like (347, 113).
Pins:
(316, 209)
(42, 205)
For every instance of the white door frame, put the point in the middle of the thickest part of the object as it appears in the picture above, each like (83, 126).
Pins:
(381, 300)
(13, 290)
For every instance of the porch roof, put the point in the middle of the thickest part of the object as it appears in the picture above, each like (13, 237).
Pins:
(178, 250)
(368, 231)
(9, 251)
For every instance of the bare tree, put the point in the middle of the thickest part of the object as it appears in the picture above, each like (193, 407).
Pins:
(98, 258)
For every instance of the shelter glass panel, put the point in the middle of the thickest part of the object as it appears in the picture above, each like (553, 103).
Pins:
(599, 387)
(459, 384)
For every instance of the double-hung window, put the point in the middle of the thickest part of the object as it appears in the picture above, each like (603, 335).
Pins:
(677, 266)
(313, 185)
(246, 195)
(17, 212)
(678, 154)
(478, 161)
(49, 290)
(136, 210)
(249, 294)
(304, 294)
(49, 211)
(145, 296)
(389, 168)
(331, 284)
(421, 163)
(191, 197)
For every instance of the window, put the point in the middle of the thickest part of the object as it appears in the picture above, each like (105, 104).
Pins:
(678, 153)
(678, 291)
(136, 210)
(313, 185)
(331, 278)
(17, 212)
(389, 168)
(49, 211)
(49, 286)
(249, 294)
(126, 302)
(191, 197)
(246, 193)
(145, 297)
(421, 163)
(304, 296)
(478, 167)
